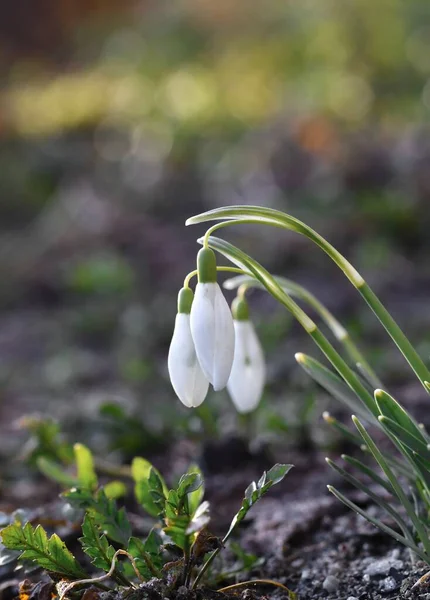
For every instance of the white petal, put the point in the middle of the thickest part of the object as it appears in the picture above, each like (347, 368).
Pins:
(248, 374)
(187, 378)
(203, 326)
(213, 333)
(224, 341)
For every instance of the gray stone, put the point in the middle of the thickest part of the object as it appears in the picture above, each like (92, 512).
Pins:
(383, 566)
(330, 584)
(389, 584)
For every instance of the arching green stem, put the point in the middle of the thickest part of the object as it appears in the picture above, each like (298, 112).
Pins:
(252, 267)
(275, 218)
(338, 330)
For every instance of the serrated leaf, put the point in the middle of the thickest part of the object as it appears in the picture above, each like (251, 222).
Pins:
(50, 554)
(150, 488)
(95, 545)
(255, 492)
(85, 467)
(111, 520)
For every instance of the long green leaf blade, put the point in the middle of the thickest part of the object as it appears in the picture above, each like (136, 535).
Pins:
(395, 534)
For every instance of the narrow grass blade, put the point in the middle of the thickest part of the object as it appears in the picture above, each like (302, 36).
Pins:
(389, 407)
(405, 437)
(333, 384)
(380, 501)
(395, 534)
(422, 534)
(343, 430)
(354, 462)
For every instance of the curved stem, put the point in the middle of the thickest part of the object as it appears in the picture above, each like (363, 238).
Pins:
(338, 330)
(240, 258)
(222, 269)
(275, 218)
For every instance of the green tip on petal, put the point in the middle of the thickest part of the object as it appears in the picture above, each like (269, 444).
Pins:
(206, 266)
(240, 309)
(185, 300)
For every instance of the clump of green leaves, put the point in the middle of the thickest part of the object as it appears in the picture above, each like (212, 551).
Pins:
(178, 549)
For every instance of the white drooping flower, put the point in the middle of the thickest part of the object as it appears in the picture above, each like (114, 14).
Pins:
(248, 373)
(212, 323)
(186, 375)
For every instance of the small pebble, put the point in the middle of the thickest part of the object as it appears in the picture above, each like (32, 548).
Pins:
(297, 563)
(306, 574)
(352, 598)
(388, 585)
(330, 584)
(383, 566)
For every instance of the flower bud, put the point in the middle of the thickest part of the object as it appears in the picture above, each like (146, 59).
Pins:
(186, 376)
(248, 373)
(212, 323)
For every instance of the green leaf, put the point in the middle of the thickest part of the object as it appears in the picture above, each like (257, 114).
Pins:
(341, 334)
(195, 497)
(150, 488)
(382, 503)
(111, 520)
(85, 467)
(188, 483)
(414, 443)
(56, 472)
(368, 471)
(334, 385)
(390, 408)
(397, 488)
(115, 489)
(147, 555)
(397, 536)
(96, 545)
(255, 491)
(50, 554)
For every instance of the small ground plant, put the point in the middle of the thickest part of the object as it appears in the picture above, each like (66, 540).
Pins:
(177, 551)
(207, 329)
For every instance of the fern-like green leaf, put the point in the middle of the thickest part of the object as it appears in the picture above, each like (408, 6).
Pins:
(96, 545)
(49, 553)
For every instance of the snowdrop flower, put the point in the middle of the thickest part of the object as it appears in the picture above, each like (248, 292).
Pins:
(187, 378)
(212, 323)
(248, 373)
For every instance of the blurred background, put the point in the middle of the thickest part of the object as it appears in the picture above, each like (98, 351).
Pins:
(121, 118)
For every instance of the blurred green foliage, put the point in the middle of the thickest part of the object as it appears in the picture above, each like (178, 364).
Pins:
(194, 64)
